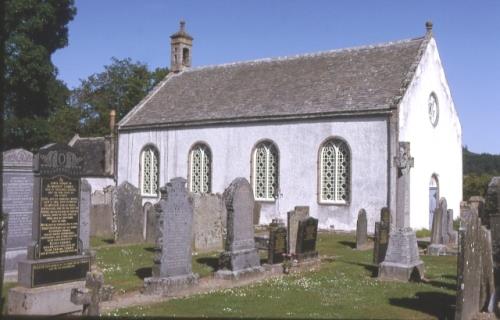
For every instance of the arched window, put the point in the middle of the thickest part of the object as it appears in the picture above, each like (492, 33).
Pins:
(265, 171)
(335, 172)
(200, 161)
(149, 171)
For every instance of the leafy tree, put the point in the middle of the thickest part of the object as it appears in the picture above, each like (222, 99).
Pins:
(121, 86)
(34, 30)
(484, 163)
(475, 185)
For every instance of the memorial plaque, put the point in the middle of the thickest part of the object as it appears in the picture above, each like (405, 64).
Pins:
(307, 235)
(277, 245)
(59, 214)
(59, 272)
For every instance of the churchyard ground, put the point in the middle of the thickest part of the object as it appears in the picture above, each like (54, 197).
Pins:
(344, 287)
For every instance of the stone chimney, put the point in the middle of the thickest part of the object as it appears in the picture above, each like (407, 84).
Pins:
(180, 43)
(112, 119)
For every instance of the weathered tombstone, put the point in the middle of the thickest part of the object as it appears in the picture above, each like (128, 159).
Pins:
(17, 205)
(361, 230)
(56, 263)
(128, 214)
(151, 222)
(402, 261)
(452, 234)
(277, 245)
(478, 203)
(209, 222)
(475, 287)
(437, 246)
(382, 231)
(307, 236)
(93, 294)
(85, 204)
(175, 269)
(240, 257)
(101, 213)
(293, 218)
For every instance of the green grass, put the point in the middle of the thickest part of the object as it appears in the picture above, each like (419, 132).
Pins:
(345, 287)
(96, 242)
(423, 233)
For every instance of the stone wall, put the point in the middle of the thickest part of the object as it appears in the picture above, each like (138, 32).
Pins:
(209, 227)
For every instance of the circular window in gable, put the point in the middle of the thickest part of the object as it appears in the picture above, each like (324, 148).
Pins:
(433, 109)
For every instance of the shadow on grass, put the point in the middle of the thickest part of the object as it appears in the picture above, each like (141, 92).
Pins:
(212, 262)
(447, 276)
(349, 244)
(373, 269)
(108, 241)
(441, 284)
(150, 249)
(144, 272)
(437, 304)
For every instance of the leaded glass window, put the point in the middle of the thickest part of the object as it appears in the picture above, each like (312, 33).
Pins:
(265, 171)
(200, 164)
(335, 171)
(149, 171)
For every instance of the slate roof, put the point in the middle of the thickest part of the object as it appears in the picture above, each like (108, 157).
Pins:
(365, 80)
(93, 151)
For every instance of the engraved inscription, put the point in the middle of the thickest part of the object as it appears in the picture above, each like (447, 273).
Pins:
(59, 208)
(59, 272)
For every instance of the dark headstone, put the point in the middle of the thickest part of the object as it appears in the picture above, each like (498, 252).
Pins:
(293, 218)
(128, 214)
(277, 245)
(307, 236)
(175, 270)
(56, 255)
(361, 230)
(17, 205)
(101, 213)
(240, 256)
(382, 232)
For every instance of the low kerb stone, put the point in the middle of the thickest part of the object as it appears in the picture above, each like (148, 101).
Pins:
(170, 286)
(402, 261)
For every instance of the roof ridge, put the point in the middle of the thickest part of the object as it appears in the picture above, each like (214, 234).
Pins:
(300, 55)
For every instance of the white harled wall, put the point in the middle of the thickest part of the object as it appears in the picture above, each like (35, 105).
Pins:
(437, 150)
(298, 144)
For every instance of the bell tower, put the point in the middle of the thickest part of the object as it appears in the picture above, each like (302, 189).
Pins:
(181, 44)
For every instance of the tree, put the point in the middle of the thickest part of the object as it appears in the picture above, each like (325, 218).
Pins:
(121, 86)
(34, 30)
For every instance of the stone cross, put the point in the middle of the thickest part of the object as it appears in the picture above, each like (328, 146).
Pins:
(94, 292)
(403, 162)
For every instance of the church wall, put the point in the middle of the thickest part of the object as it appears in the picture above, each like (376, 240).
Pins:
(298, 143)
(437, 150)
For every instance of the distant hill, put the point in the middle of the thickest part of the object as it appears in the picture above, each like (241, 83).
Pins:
(479, 164)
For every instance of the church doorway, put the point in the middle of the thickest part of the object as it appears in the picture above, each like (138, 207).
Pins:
(433, 198)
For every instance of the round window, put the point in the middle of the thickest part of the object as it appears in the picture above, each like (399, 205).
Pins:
(433, 109)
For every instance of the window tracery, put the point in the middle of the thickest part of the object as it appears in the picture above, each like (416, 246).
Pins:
(265, 171)
(335, 167)
(149, 171)
(200, 164)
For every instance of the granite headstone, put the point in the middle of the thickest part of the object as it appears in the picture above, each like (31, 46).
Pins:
(307, 236)
(293, 218)
(128, 214)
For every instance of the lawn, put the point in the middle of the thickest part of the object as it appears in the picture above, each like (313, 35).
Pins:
(345, 287)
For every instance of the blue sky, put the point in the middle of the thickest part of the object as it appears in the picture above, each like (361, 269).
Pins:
(467, 33)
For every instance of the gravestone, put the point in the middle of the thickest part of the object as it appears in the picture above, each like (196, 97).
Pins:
(361, 231)
(56, 262)
(307, 236)
(452, 234)
(175, 270)
(93, 294)
(437, 246)
(402, 261)
(101, 213)
(475, 285)
(17, 205)
(478, 203)
(240, 257)
(128, 214)
(151, 222)
(85, 204)
(209, 222)
(277, 245)
(293, 218)
(382, 231)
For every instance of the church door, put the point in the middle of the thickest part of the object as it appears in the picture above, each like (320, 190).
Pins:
(433, 198)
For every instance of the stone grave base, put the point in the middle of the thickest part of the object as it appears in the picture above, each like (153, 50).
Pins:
(306, 265)
(400, 271)
(307, 255)
(238, 274)
(436, 250)
(169, 286)
(239, 260)
(49, 300)
(273, 268)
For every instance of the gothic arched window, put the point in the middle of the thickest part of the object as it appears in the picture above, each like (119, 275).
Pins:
(265, 171)
(335, 172)
(200, 161)
(149, 171)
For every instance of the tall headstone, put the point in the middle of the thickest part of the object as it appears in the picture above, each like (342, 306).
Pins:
(307, 236)
(175, 270)
(361, 230)
(240, 257)
(55, 256)
(17, 205)
(128, 214)
(439, 233)
(402, 261)
(85, 205)
(382, 231)
(293, 218)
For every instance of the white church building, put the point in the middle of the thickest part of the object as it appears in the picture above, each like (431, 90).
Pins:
(319, 130)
